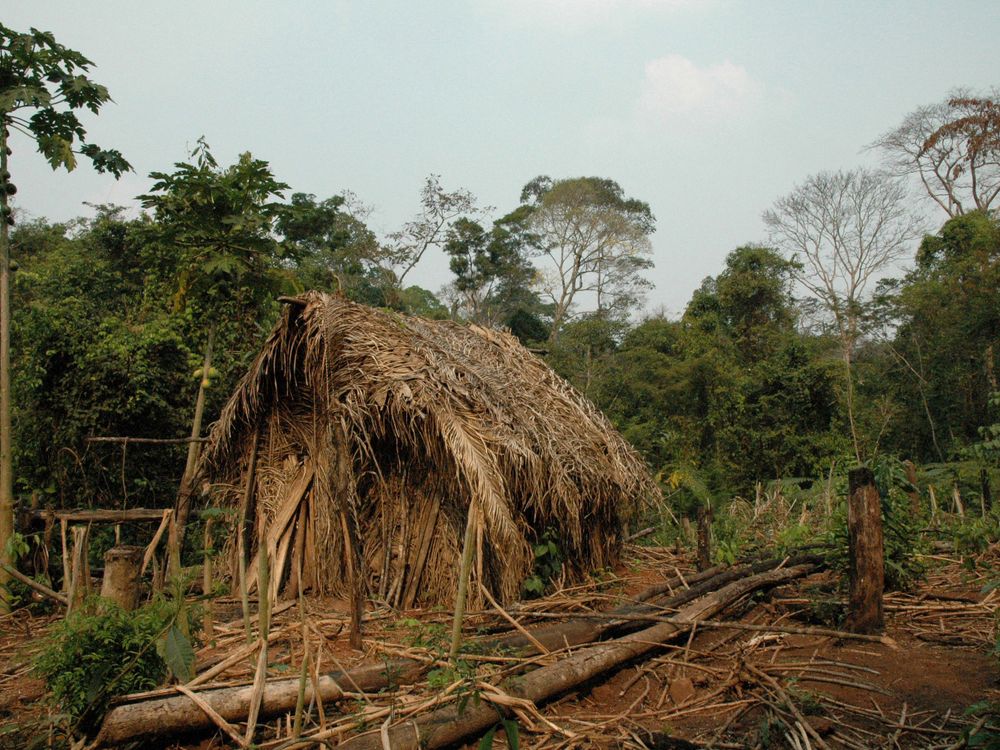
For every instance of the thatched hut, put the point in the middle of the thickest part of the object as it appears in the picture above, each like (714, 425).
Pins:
(360, 439)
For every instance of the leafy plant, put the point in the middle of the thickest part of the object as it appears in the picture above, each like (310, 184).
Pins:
(509, 727)
(101, 651)
(902, 539)
(548, 565)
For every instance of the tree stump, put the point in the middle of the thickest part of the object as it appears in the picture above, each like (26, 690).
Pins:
(867, 553)
(79, 585)
(121, 576)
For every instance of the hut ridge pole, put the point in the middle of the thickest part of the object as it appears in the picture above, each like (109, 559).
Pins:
(867, 553)
(468, 546)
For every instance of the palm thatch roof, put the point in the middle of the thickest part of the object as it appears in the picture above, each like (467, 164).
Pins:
(360, 439)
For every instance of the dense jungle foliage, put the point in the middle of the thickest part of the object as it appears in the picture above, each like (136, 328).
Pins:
(745, 386)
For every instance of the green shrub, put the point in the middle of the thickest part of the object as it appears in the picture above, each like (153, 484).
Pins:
(101, 651)
(900, 529)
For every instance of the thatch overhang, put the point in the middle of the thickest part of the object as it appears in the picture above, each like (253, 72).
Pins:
(370, 435)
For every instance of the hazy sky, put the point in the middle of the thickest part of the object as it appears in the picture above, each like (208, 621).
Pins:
(706, 109)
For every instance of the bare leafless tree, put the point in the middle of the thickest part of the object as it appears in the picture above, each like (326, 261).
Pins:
(845, 228)
(953, 148)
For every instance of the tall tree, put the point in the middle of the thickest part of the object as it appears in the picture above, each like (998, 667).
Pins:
(438, 210)
(334, 249)
(493, 276)
(221, 222)
(595, 241)
(953, 148)
(845, 228)
(42, 84)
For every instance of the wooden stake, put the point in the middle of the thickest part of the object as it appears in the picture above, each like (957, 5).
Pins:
(957, 497)
(208, 618)
(468, 546)
(704, 536)
(867, 554)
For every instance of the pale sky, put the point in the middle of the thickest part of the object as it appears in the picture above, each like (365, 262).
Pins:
(708, 110)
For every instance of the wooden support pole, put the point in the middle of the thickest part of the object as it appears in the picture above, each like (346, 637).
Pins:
(207, 586)
(465, 569)
(867, 554)
(121, 576)
(704, 536)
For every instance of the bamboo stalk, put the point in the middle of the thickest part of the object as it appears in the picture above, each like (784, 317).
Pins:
(463, 582)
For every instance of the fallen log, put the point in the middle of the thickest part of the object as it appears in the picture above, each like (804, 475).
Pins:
(175, 714)
(172, 714)
(449, 726)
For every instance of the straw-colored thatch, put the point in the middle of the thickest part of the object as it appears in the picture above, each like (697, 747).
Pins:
(375, 433)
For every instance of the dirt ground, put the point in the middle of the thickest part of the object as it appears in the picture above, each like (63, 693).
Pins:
(721, 687)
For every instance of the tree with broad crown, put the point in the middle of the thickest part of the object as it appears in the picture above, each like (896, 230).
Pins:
(42, 83)
(595, 241)
(221, 221)
(953, 148)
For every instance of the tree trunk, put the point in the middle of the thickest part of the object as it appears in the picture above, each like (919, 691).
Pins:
(121, 576)
(987, 494)
(6, 460)
(867, 563)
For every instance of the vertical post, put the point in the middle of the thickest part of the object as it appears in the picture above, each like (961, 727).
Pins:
(867, 554)
(704, 536)
(914, 493)
(207, 586)
(987, 494)
(468, 545)
(6, 457)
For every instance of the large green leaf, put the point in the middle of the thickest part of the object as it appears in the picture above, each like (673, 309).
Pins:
(174, 647)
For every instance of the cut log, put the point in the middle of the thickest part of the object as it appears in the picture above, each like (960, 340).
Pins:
(450, 726)
(121, 576)
(176, 714)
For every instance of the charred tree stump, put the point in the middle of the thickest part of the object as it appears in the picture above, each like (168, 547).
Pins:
(704, 537)
(867, 553)
(121, 576)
